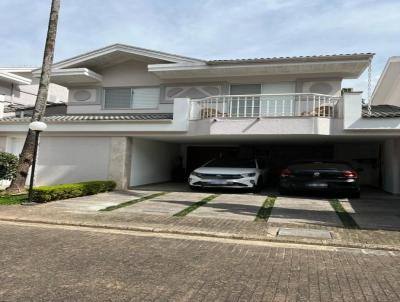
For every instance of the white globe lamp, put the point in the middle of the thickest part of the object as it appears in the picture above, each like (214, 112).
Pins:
(37, 126)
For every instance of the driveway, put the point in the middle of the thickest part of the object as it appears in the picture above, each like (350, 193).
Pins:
(374, 210)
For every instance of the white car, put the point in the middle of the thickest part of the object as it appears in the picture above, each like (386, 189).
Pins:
(245, 174)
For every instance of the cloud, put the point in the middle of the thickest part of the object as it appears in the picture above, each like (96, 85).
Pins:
(206, 29)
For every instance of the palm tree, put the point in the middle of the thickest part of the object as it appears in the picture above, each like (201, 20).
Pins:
(26, 156)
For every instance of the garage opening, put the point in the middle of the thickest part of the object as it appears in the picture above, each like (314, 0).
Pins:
(364, 157)
(156, 161)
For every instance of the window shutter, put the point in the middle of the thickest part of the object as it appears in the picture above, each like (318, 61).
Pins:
(146, 98)
(117, 98)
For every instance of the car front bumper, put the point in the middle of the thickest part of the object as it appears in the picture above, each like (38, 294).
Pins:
(245, 182)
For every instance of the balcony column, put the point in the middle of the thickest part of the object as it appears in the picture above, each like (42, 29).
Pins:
(352, 108)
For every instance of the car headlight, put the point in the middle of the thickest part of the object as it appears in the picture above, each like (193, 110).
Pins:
(249, 174)
(195, 174)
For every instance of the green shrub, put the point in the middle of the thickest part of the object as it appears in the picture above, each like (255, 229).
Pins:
(8, 166)
(65, 191)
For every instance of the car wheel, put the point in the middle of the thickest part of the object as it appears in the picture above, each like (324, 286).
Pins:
(194, 188)
(355, 195)
(258, 187)
(283, 191)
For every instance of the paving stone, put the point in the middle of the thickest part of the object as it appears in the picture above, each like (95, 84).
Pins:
(81, 265)
(299, 232)
(231, 206)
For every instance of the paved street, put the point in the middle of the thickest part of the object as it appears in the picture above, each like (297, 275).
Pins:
(53, 264)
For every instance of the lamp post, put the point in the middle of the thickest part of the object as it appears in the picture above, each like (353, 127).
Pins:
(36, 127)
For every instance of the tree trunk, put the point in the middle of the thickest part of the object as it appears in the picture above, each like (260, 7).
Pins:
(26, 157)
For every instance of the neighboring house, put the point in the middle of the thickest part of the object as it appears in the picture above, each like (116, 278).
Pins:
(134, 115)
(18, 89)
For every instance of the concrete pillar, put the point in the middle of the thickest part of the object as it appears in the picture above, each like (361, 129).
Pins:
(391, 166)
(119, 165)
(352, 108)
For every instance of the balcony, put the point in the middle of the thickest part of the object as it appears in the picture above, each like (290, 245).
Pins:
(267, 106)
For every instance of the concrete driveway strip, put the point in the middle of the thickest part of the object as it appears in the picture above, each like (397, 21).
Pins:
(231, 206)
(300, 210)
(94, 203)
(167, 204)
(374, 211)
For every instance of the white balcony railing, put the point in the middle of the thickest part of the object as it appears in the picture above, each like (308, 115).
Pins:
(267, 105)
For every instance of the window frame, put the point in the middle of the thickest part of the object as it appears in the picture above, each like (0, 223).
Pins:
(132, 88)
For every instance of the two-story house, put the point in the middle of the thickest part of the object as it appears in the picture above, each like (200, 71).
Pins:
(137, 115)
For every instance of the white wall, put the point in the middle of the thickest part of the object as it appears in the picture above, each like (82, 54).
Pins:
(151, 161)
(26, 94)
(68, 159)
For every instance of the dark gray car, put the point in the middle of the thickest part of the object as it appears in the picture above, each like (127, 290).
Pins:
(322, 176)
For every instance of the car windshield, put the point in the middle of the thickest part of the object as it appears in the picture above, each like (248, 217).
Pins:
(320, 166)
(232, 164)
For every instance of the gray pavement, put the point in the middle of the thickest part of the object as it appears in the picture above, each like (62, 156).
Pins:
(93, 203)
(375, 209)
(303, 210)
(231, 206)
(52, 264)
(167, 204)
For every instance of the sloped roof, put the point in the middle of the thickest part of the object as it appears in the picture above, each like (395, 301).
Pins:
(98, 117)
(381, 111)
(295, 59)
(123, 48)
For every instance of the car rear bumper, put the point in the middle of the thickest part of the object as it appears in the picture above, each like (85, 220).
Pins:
(339, 186)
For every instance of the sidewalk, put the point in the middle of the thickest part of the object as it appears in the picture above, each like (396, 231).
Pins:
(205, 226)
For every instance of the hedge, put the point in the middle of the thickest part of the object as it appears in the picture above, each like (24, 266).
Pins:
(64, 191)
(8, 166)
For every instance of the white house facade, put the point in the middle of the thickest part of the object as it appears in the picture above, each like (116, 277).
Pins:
(136, 116)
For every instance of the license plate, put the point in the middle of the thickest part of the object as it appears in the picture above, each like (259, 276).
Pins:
(317, 185)
(218, 182)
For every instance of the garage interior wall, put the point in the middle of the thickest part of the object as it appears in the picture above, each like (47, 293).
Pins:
(68, 159)
(152, 161)
(364, 156)
(391, 166)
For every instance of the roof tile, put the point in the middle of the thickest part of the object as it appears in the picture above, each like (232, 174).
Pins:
(113, 117)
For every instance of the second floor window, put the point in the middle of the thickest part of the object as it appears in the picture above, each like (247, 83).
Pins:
(241, 89)
(131, 98)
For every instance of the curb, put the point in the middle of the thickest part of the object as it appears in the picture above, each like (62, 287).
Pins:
(211, 234)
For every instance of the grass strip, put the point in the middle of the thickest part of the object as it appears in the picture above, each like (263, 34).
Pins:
(265, 211)
(196, 205)
(131, 202)
(13, 199)
(345, 217)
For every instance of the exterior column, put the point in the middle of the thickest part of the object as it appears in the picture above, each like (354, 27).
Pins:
(119, 165)
(352, 108)
(391, 166)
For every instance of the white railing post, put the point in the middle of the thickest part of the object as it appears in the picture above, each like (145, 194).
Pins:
(237, 106)
(223, 106)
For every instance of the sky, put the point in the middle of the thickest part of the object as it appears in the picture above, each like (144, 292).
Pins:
(206, 29)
